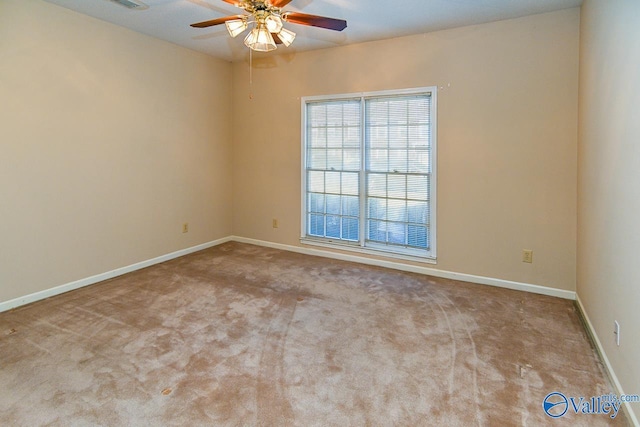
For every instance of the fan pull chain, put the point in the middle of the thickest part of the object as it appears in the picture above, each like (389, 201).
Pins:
(250, 73)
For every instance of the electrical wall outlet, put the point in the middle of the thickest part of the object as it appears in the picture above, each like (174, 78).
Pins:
(185, 227)
(616, 331)
(274, 223)
(527, 256)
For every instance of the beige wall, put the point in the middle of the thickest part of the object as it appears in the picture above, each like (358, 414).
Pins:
(110, 140)
(609, 180)
(507, 138)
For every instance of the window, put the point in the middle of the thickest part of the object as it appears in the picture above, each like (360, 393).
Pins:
(369, 172)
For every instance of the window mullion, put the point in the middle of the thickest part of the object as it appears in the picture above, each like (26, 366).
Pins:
(363, 175)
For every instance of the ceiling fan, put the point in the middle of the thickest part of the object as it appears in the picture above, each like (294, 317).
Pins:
(267, 17)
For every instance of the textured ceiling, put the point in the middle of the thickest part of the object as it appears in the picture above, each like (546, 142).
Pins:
(367, 20)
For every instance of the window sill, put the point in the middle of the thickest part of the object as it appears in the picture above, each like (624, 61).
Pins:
(368, 250)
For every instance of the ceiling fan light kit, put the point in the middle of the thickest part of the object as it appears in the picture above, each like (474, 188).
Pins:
(286, 36)
(274, 23)
(260, 39)
(236, 26)
(268, 30)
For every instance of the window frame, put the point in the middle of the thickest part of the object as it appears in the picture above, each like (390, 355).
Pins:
(361, 246)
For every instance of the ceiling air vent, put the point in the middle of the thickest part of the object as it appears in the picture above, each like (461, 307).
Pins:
(131, 4)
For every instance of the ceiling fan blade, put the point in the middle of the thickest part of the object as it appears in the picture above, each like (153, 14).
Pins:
(218, 21)
(315, 21)
(278, 3)
(276, 38)
(233, 2)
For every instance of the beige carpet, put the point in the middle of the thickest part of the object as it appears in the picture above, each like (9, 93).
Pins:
(240, 335)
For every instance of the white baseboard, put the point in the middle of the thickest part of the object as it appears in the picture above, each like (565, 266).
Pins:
(527, 287)
(603, 356)
(27, 299)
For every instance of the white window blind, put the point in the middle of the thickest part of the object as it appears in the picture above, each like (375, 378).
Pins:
(333, 165)
(368, 172)
(398, 170)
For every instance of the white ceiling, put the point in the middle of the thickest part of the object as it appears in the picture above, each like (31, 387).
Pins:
(366, 20)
